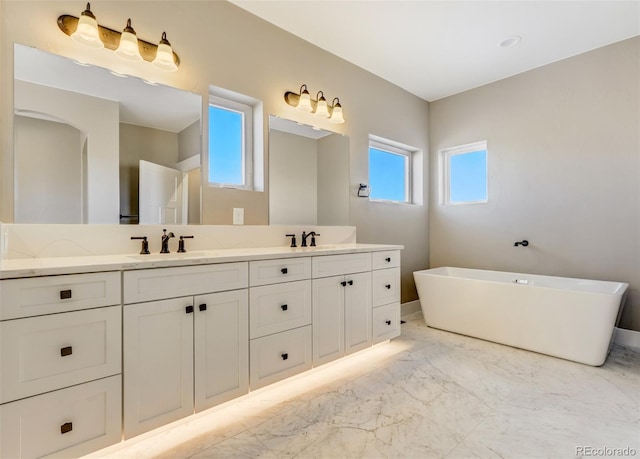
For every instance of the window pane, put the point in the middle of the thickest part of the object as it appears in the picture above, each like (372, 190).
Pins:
(468, 177)
(387, 175)
(225, 146)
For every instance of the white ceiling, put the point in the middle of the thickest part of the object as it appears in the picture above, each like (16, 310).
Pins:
(434, 49)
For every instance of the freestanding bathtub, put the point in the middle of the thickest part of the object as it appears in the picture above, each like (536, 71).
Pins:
(572, 319)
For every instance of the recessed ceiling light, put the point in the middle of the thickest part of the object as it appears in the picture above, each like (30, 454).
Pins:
(513, 40)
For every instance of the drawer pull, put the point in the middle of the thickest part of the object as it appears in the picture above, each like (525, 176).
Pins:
(350, 282)
(388, 286)
(388, 322)
(285, 356)
(188, 309)
(65, 294)
(66, 427)
(343, 283)
(284, 307)
(284, 270)
(202, 307)
(388, 260)
(65, 351)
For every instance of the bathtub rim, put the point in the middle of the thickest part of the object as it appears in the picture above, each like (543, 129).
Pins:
(621, 288)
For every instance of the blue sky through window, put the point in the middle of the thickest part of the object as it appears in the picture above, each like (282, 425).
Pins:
(225, 146)
(468, 177)
(387, 175)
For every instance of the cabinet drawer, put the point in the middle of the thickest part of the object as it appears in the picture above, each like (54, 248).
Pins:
(386, 259)
(279, 356)
(41, 354)
(386, 286)
(161, 283)
(70, 422)
(282, 270)
(279, 307)
(337, 265)
(46, 295)
(386, 322)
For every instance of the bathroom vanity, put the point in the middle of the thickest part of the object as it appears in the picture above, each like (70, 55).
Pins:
(97, 349)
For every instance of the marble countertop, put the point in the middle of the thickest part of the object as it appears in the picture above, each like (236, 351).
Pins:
(30, 267)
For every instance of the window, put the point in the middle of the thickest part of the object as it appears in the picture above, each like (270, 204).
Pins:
(230, 124)
(391, 167)
(464, 174)
(235, 155)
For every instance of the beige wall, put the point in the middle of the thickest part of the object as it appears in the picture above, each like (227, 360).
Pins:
(333, 180)
(48, 179)
(564, 172)
(293, 173)
(222, 45)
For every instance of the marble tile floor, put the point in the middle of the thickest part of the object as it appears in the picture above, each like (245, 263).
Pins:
(427, 394)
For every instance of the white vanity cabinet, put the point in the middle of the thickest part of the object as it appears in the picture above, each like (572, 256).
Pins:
(60, 364)
(386, 295)
(86, 359)
(187, 353)
(341, 305)
(279, 319)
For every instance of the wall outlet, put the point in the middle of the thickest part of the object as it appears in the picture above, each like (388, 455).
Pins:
(238, 216)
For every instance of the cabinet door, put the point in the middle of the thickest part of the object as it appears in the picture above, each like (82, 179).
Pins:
(158, 363)
(357, 312)
(328, 319)
(221, 347)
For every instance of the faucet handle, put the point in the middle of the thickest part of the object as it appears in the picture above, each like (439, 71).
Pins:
(313, 238)
(144, 249)
(293, 239)
(181, 248)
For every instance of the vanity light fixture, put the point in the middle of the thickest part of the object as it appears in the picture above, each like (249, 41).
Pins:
(322, 109)
(128, 47)
(304, 102)
(164, 56)
(86, 31)
(319, 107)
(336, 113)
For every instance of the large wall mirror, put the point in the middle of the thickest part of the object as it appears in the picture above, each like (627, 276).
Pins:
(92, 146)
(308, 175)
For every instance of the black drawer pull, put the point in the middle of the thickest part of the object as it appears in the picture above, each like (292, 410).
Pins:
(188, 309)
(284, 307)
(350, 282)
(388, 286)
(65, 351)
(65, 294)
(388, 260)
(66, 427)
(202, 307)
(284, 270)
(388, 322)
(285, 356)
(343, 283)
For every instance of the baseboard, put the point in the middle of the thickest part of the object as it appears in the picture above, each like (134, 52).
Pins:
(409, 307)
(626, 337)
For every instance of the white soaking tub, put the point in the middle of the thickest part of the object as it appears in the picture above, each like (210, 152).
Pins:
(572, 319)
